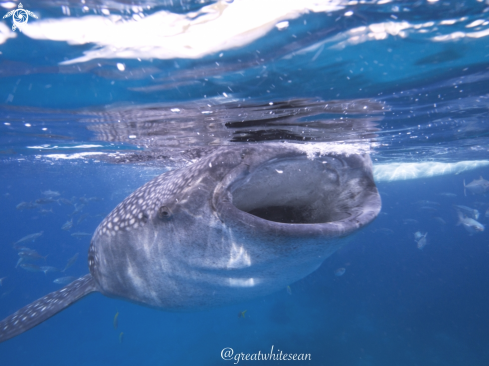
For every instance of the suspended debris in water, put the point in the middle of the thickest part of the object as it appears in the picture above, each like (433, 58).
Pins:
(121, 337)
(1, 280)
(242, 314)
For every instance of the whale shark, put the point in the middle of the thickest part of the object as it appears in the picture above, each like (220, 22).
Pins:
(241, 222)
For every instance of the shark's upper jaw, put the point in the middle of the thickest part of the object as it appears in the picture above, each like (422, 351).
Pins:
(330, 195)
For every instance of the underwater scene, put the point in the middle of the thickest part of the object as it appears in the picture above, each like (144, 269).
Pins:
(244, 182)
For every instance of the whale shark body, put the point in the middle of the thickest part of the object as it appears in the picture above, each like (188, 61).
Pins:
(242, 222)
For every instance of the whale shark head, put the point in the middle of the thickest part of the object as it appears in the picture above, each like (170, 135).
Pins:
(241, 222)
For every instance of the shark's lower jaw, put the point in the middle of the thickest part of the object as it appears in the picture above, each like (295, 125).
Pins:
(330, 195)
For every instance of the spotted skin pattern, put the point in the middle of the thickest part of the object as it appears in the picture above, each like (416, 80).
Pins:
(40, 310)
(208, 234)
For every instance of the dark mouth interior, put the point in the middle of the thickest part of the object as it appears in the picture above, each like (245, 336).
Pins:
(299, 191)
(285, 214)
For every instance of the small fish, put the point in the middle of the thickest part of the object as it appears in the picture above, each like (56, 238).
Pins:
(44, 201)
(470, 212)
(64, 280)
(65, 201)
(83, 200)
(421, 243)
(31, 254)
(82, 218)
(30, 267)
(447, 194)
(242, 314)
(47, 269)
(469, 224)
(67, 225)
(1, 280)
(477, 186)
(487, 213)
(21, 260)
(44, 211)
(71, 261)
(26, 206)
(20, 249)
(78, 209)
(426, 203)
(51, 194)
(116, 320)
(340, 271)
(409, 221)
(121, 337)
(31, 237)
(95, 199)
(79, 235)
(418, 235)
(439, 220)
(289, 290)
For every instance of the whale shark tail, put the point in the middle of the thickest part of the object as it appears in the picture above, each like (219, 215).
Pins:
(45, 307)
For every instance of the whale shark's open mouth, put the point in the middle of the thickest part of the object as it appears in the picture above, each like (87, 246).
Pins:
(293, 190)
(333, 194)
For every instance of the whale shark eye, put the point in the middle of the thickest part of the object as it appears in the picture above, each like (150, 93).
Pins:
(164, 212)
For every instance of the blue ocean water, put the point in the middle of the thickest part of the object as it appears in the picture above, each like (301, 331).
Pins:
(98, 97)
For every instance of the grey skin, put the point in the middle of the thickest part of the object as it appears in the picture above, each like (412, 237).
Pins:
(240, 223)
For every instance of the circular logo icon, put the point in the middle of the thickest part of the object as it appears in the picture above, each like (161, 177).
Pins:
(20, 16)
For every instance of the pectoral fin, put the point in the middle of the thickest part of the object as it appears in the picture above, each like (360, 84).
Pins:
(45, 307)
